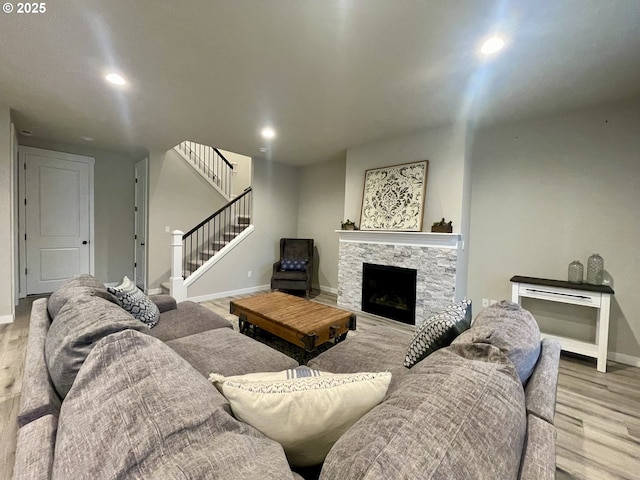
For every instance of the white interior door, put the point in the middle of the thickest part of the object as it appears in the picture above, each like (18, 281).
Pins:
(58, 218)
(140, 256)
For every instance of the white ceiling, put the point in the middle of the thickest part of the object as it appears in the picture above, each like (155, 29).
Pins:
(326, 74)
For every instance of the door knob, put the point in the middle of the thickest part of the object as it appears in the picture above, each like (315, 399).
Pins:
(84, 242)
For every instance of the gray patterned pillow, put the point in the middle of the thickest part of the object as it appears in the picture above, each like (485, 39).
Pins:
(438, 331)
(134, 301)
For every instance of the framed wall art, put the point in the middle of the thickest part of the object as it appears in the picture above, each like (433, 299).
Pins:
(393, 197)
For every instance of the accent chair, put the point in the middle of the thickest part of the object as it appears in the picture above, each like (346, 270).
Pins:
(294, 270)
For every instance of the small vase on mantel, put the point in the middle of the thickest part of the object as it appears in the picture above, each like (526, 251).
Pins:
(595, 267)
(576, 272)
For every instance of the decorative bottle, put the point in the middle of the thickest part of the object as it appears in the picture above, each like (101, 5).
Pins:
(595, 266)
(576, 271)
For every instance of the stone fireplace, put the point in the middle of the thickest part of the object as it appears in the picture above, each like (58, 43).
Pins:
(432, 255)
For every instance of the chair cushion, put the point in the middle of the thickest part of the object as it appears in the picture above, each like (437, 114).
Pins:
(290, 275)
(304, 410)
(134, 301)
(81, 323)
(293, 265)
(512, 329)
(438, 331)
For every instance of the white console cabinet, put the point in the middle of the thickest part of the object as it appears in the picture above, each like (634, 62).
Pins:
(596, 296)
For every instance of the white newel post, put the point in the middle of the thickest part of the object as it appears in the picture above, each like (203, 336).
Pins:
(177, 288)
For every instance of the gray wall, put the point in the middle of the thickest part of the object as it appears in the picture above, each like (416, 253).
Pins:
(445, 150)
(6, 218)
(113, 207)
(320, 210)
(179, 198)
(448, 183)
(275, 215)
(550, 190)
(241, 178)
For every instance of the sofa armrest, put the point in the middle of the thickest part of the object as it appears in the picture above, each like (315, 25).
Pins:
(164, 302)
(541, 390)
(277, 266)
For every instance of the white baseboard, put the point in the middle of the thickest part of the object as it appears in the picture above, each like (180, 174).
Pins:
(623, 358)
(331, 290)
(6, 319)
(230, 293)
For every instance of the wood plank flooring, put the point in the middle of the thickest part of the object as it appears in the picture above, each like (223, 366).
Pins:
(597, 414)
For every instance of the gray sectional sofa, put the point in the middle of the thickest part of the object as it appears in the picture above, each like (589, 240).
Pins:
(105, 397)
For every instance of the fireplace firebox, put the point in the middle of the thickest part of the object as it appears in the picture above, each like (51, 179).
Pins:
(389, 292)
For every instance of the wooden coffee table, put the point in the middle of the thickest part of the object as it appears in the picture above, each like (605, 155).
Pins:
(301, 322)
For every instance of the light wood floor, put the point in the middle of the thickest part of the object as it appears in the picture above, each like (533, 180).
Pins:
(597, 415)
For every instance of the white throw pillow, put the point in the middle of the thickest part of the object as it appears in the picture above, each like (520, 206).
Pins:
(304, 410)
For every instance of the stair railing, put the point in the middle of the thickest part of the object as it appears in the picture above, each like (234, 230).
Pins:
(213, 233)
(211, 163)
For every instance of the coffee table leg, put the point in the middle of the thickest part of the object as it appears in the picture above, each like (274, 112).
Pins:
(309, 342)
(245, 327)
(302, 356)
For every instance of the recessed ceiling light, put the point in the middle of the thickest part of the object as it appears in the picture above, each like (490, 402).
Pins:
(26, 133)
(88, 139)
(268, 133)
(492, 45)
(115, 79)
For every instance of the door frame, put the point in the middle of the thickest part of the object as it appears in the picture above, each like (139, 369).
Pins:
(144, 219)
(22, 189)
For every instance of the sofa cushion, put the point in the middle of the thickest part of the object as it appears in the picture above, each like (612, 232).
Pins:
(34, 449)
(138, 410)
(438, 331)
(164, 302)
(134, 301)
(186, 319)
(376, 350)
(539, 455)
(512, 329)
(304, 410)
(82, 322)
(38, 396)
(453, 416)
(78, 285)
(227, 352)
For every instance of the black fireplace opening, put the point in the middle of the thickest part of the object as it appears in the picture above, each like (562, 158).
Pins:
(389, 292)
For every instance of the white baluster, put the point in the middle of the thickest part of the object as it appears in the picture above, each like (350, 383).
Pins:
(177, 288)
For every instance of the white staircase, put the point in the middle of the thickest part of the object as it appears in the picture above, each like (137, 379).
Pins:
(210, 163)
(195, 252)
